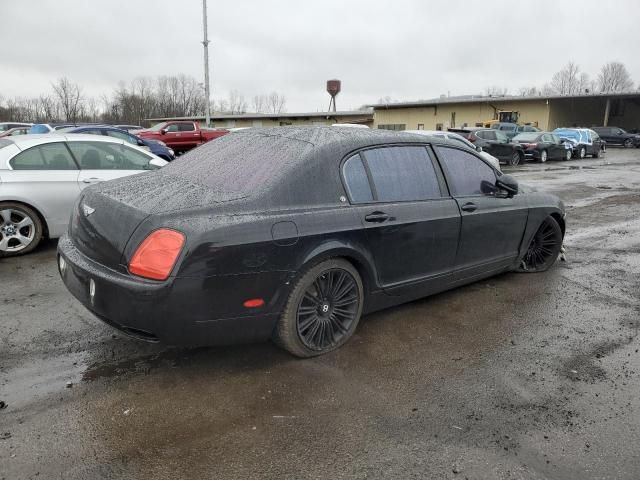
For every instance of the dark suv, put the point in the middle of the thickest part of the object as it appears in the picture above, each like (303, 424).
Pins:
(493, 142)
(617, 136)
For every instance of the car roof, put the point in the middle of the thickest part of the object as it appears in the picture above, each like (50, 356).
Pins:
(27, 141)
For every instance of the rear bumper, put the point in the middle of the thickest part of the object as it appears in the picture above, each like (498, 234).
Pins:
(181, 311)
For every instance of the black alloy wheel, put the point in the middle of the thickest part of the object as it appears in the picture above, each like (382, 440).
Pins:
(323, 309)
(544, 248)
(515, 159)
(628, 143)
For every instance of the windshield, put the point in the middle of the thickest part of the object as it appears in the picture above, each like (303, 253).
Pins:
(66, 129)
(525, 137)
(157, 127)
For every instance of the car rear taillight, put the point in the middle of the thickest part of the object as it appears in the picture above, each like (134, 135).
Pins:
(157, 254)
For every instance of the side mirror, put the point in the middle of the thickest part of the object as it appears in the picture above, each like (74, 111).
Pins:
(479, 149)
(509, 184)
(163, 131)
(141, 143)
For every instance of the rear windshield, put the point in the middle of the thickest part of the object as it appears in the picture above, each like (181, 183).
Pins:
(242, 163)
(526, 137)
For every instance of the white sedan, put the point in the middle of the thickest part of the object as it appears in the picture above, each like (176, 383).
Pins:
(42, 175)
(459, 139)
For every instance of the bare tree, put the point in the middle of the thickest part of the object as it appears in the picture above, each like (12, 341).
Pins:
(566, 81)
(70, 97)
(495, 91)
(259, 103)
(528, 91)
(614, 77)
(237, 103)
(276, 103)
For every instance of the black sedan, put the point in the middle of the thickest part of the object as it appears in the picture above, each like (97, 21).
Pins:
(294, 233)
(493, 142)
(543, 146)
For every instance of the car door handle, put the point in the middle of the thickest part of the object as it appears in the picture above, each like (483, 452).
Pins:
(92, 180)
(469, 207)
(377, 217)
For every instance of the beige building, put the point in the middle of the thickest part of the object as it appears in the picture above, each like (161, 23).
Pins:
(243, 120)
(544, 112)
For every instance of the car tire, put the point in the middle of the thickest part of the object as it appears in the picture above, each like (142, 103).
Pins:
(628, 143)
(322, 311)
(515, 159)
(544, 248)
(543, 156)
(582, 153)
(567, 155)
(14, 238)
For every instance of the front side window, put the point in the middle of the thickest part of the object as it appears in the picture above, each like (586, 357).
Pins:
(172, 128)
(501, 137)
(465, 172)
(50, 156)
(108, 156)
(357, 183)
(402, 174)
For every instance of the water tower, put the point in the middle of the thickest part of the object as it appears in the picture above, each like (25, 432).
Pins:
(333, 88)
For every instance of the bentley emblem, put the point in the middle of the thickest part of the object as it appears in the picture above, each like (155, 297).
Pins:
(87, 210)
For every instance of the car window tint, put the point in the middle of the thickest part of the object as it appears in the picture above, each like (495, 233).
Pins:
(122, 136)
(465, 171)
(355, 177)
(50, 156)
(172, 128)
(186, 127)
(108, 156)
(402, 174)
(500, 136)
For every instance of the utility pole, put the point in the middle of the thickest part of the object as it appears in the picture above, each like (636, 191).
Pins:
(205, 43)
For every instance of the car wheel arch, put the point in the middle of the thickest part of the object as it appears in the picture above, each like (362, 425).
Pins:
(43, 220)
(361, 261)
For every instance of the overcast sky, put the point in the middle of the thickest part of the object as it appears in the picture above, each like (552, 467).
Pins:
(404, 49)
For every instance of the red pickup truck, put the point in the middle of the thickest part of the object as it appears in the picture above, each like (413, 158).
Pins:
(181, 135)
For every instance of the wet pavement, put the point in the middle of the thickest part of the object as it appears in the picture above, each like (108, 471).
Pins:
(522, 376)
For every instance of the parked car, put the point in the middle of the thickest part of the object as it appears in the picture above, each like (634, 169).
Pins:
(15, 131)
(617, 136)
(180, 136)
(42, 175)
(543, 146)
(4, 126)
(454, 138)
(513, 129)
(156, 147)
(37, 128)
(293, 233)
(494, 142)
(584, 141)
(129, 128)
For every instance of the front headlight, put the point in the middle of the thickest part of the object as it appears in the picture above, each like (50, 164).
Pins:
(172, 153)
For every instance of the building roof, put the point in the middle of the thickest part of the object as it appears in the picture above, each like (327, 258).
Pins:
(495, 99)
(259, 116)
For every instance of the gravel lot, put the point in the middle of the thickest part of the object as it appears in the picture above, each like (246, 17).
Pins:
(523, 376)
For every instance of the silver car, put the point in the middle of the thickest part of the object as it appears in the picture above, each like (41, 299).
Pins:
(42, 175)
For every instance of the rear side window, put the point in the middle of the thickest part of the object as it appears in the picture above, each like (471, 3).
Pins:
(108, 156)
(487, 134)
(355, 177)
(186, 127)
(50, 156)
(402, 174)
(465, 171)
